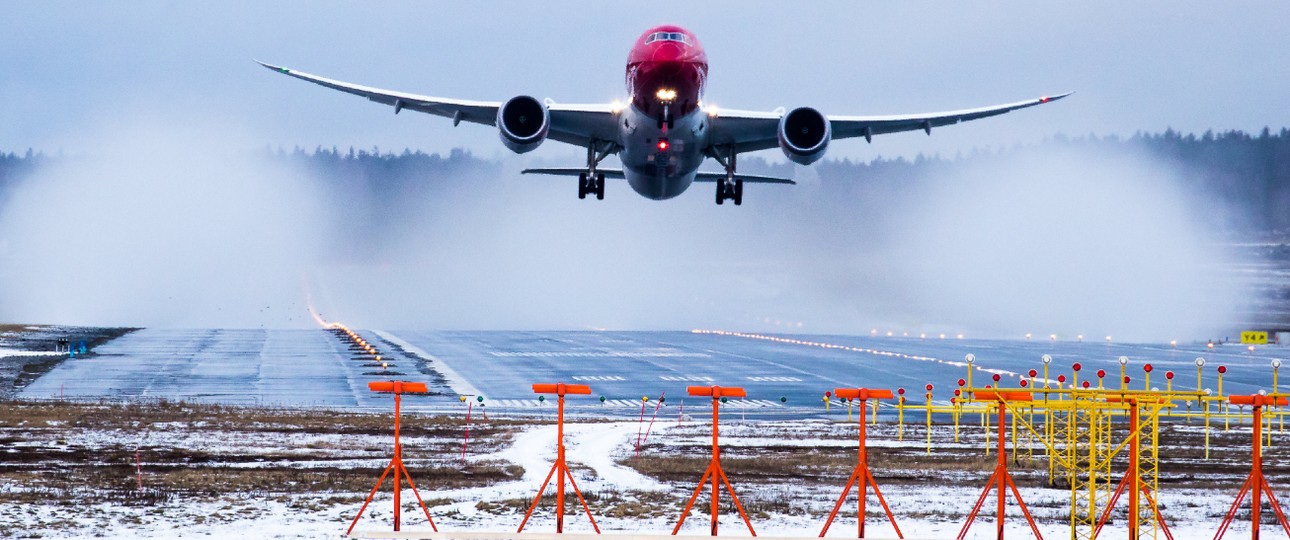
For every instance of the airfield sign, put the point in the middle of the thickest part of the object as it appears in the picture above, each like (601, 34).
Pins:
(1254, 338)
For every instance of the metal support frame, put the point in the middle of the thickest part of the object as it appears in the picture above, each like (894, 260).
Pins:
(398, 388)
(1001, 479)
(861, 472)
(714, 470)
(559, 469)
(1256, 484)
(1136, 483)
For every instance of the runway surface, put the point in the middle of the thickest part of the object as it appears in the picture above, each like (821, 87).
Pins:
(782, 373)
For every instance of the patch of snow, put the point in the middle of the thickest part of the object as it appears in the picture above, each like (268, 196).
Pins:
(455, 380)
(4, 353)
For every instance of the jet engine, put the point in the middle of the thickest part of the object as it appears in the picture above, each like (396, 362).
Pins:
(523, 123)
(804, 135)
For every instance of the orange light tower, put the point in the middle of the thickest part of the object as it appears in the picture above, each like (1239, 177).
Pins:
(1001, 479)
(718, 394)
(398, 388)
(861, 472)
(559, 468)
(1256, 484)
(1132, 481)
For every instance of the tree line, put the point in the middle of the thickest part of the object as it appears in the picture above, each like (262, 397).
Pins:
(1248, 172)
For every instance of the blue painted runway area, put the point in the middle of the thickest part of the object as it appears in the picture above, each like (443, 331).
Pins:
(316, 368)
(624, 366)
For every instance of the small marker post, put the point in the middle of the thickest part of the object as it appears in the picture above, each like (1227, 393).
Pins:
(651, 420)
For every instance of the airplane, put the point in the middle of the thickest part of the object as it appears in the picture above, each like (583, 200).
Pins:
(665, 131)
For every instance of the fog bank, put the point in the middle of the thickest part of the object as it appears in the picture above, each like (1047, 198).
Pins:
(173, 225)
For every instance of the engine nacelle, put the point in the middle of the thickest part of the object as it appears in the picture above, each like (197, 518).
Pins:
(523, 123)
(804, 135)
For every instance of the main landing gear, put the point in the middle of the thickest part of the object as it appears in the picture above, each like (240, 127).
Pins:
(591, 181)
(731, 188)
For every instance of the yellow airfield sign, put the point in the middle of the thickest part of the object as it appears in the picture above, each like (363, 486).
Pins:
(1254, 338)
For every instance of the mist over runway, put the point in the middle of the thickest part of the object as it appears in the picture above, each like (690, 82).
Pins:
(314, 368)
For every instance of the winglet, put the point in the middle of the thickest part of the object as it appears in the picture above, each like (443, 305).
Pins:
(279, 69)
(1046, 99)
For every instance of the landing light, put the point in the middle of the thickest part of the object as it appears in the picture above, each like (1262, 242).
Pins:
(665, 94)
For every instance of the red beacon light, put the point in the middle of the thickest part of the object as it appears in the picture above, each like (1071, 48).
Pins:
(1169, 375)
(962, 382)
(929, 387)
(1024, 383)
(1101, 373)
(1147, 368)
(1033, 373)
(1061, 378)
(1076, 366)
(1085, 384)
(662, 145)
(1222, 370)
(1126, 379)
(900, 391)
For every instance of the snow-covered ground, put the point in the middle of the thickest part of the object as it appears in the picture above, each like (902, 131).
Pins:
(597, 452)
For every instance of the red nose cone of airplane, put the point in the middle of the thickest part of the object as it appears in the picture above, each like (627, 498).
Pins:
(667, 69)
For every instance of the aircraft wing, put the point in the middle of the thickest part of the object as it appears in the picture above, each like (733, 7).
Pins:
(573, 124)
(750, 131)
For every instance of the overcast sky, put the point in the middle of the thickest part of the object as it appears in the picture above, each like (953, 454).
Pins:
(68, 69)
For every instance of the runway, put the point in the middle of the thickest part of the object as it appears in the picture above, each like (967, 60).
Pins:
(784, 374)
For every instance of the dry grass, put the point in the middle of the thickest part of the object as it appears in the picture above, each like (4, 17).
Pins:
(41, 463)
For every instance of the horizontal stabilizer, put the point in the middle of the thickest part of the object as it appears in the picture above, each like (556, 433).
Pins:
(573, 171)
(699, 176)
(749, 178)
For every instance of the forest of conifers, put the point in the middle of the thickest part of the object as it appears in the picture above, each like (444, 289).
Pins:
(1248, 173)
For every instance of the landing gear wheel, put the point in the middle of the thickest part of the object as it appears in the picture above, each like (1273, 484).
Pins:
(732, 189)
(582, 186)
(600, 186)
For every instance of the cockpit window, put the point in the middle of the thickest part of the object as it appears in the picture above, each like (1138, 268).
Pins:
(667, 36)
